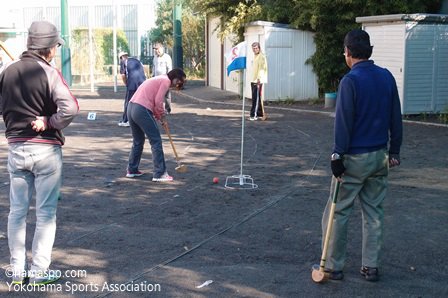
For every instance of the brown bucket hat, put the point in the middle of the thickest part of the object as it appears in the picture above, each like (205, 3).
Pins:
(43, 35)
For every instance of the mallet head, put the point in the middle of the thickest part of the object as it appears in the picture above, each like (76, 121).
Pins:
(181, 168)
(318, 275)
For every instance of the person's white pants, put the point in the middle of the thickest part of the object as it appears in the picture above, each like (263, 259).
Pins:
(33, 167)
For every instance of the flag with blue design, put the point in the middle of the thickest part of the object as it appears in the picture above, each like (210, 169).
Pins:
(236, 57)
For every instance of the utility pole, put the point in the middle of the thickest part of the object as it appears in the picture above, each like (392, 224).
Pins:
(65, 50)
(177, 26)
(92, 62)
(115, 46)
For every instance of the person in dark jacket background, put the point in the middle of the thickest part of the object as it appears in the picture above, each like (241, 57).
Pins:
(368, 116)
(133, 76)
(36, 105)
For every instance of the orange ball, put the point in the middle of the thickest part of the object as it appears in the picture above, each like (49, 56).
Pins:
(215, 180)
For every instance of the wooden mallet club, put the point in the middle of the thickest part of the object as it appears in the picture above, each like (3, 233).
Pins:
(180, 166)
(318, 273)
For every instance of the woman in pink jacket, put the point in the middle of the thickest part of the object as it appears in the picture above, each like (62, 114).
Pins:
(145, 107)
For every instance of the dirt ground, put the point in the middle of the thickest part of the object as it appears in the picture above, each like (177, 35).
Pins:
(251, 243)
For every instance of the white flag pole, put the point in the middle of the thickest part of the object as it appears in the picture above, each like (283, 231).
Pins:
(241, 181)
(242, 126)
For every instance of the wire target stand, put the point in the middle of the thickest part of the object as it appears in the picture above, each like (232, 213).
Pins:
(241, 181)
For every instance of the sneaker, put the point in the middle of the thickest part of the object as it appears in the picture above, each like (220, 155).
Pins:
(370, 273)
(165, 177)
(43, 278)
(334, 275)
(253, 118)
(121, 123)
(19, 277)
(18, 280)
(132, 175)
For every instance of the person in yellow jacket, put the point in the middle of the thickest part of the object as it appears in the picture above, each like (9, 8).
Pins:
(259, 77)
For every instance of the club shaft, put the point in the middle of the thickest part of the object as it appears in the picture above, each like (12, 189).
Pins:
(171, 141)
(329, 227)
(6, 51)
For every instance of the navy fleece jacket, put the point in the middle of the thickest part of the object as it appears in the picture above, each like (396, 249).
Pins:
(367, 109)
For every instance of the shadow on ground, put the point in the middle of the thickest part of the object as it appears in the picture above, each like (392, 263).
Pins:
(250, 243)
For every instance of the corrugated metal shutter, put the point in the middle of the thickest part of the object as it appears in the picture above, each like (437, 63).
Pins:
(288, 76)
(130, 27)
(31, 14)
(104, 16)
(417, 55)
(441, 81)
(50, 14)
(79, 17)
(53, 15)
(419, 78)
(304, 83)
(279, 52)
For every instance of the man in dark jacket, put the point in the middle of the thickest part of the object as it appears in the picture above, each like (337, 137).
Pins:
(368, 117)
(133, 76)
(37, 105)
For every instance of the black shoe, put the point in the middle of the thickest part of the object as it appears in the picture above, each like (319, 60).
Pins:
(370, 273)
(334, 275)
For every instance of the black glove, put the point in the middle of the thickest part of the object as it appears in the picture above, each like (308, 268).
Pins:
(337, 167)
(394, 156)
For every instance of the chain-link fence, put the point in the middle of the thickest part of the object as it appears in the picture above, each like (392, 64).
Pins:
(101, 19)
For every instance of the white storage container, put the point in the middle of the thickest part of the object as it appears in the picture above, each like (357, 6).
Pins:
(414, 47)
(286, 52)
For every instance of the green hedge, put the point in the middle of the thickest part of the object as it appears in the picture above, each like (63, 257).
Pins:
(331, 20)
(102, 48)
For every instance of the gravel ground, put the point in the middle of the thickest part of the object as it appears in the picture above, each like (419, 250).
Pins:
(251, 243)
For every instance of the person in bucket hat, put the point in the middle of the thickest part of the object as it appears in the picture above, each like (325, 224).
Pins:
(36, 105)
(43, 35)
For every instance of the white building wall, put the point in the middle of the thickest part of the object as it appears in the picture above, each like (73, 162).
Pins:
(286, 50)
(231, 82)
(305, 81)
(217, 66)
(388, 42)
(214, 60)
(288, 75)
(415, 49)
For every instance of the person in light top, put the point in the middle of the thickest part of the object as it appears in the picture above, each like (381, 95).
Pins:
(259, 77)
(145, 107)
(162, 64)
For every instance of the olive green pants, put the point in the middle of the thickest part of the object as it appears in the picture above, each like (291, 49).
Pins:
(366, 178)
